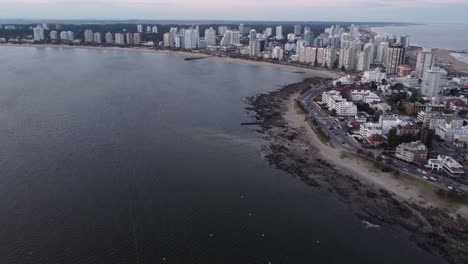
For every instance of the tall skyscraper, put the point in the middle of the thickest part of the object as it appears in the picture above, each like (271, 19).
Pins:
(424, 61)
(395, 58)
(97, 38)
(64, 36)
(38, 33)
(329, 57)
(89, 36)
(254, 47)
(380, 38)
(268, 32)
(167, 39)
(174, 36)
(190, 39)
(306, 29)
(137, 39)
(119, 38)
(297, 29)
(109, 38)
(210, 36)
(365, 58)
(291, 37)
(154, 29)
(354, 31)
(71, 35)
(382, 53)
(347, 58)
(277, 53)
(308, 38)
(140, 28)
(222, 30)
(231, 37)
(54, 37)
(431, 82)
(279, 32)
(404, 40)
(242, 28)
(148, 29)
(129, 38)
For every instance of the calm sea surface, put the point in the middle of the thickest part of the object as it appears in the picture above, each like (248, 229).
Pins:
(127, 157)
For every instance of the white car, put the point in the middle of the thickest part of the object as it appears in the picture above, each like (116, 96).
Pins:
(450, 187)
(433, 179)
(426, 178)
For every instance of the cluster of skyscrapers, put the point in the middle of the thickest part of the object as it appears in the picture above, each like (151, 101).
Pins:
(90, 37)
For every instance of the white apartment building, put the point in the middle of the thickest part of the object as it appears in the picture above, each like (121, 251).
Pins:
(434, 119)
(431, 82)
(119, 39)
(279, 32)
(336, 102)
(424, 61)
(387, 122)
(88, 36)
(447, 132)
(365, 96)
(412, 152)
(277, 53)
(375, 75)
(329, 57)
(210, 36)
(368, 129)
(446, 164)
(38, 33)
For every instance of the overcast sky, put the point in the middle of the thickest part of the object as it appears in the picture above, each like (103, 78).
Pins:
(292, 10)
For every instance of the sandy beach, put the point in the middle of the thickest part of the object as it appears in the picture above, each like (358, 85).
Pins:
(421, 193)
(317, 72)
(379, 198)
(446, 59)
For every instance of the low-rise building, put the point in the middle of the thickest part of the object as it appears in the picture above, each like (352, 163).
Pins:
(447, 132)
(414, 152)
(446, 164)
(336, 102)
(365, 96)
(404, 70)
(433, 119)
(383, 107)
(368, 129)
(375, 75)
(415, 108)
(388, 122)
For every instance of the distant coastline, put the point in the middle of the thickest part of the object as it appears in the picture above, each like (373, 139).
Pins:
(455, 60)
(295, 68)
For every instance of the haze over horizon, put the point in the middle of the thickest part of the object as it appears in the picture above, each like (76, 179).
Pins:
(436, 11)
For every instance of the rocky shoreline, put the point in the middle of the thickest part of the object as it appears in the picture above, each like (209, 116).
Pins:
(290, 150)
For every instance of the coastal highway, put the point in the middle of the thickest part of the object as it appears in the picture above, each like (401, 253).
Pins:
(339, 137)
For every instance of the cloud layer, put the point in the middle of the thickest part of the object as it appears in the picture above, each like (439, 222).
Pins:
(357, 10)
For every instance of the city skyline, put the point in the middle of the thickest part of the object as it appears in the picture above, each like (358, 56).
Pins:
(334, 10)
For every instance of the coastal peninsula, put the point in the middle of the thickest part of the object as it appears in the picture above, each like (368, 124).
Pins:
(381, 198)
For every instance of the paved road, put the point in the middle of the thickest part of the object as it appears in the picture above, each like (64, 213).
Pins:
(339, 137)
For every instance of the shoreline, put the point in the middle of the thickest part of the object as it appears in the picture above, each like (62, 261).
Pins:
(292, 146)
(444, 57)
(315, 71)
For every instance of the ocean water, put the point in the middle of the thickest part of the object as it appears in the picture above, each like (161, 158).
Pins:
(129, 157)
(441, 36)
